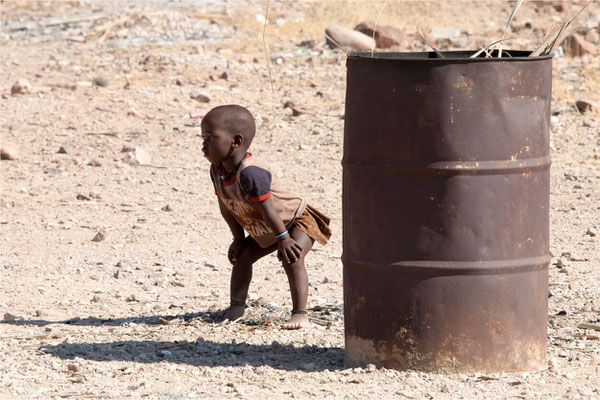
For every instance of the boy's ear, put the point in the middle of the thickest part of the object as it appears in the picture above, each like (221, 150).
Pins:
(238, 140)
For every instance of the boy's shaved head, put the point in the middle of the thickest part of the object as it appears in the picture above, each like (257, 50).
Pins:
(234, 119)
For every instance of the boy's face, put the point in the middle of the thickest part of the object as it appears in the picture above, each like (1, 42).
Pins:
(216, 141)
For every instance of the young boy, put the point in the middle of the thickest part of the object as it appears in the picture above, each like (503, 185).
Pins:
(250, 200)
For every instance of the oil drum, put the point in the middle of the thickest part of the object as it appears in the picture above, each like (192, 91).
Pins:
(446, 174)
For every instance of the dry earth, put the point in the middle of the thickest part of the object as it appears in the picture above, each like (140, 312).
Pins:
(132, 316)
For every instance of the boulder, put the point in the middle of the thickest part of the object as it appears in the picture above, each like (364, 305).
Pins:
(575, 46)
(349, 39)
(9, 151)
(385, 36)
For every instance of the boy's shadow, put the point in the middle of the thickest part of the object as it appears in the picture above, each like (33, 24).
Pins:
(199, 353)
(205, 353)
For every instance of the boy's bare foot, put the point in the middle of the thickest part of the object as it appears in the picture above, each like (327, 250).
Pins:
(299, 320)
(234, 312)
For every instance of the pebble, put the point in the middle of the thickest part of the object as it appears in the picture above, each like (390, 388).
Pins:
(41, 313)
(21, 86)
(199, 97)
(163, 321)
(156, 276)
(8, 151)
(371, 367)
(100, 236)
(72, 367)
(583, 106)
(97, 298)
(82, 197)
(275, 344)
(553, 364)
(167, 208)
(101, 81)
(137, 156)
(65, 150)
(11, 318)
(164, 353)
(591, 232)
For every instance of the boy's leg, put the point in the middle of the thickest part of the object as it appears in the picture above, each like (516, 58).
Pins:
(241, 275)
(298, 280)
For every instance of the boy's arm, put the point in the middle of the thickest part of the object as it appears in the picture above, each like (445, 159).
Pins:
(289, 250)
(236, 229)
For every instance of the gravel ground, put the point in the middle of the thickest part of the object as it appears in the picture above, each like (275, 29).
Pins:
(133, 315)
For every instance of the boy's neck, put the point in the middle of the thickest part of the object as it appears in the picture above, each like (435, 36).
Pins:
(230, 163)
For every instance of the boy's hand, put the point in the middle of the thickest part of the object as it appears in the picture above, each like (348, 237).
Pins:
(235, 249)
(289, 251)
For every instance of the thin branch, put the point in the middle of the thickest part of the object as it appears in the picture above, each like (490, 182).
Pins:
(512, 15)
(375, 27)
(430, 45)
(265, 46)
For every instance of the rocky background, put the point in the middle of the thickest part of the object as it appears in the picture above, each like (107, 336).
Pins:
(112, 248)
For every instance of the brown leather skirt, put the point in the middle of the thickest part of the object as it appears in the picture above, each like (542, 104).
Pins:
(315, 224)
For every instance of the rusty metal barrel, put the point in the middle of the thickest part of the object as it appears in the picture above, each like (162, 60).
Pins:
(446, 211)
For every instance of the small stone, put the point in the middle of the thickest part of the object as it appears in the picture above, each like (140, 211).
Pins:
(167, 208)
(100, 236)
(164, 353)
(97, 299)
(8, 151)
(162, 321)
(95, 163)
(275, 344)
(137, 157)
(349, 39)
(325, 280)
(371, 367)
(72, 367)
(11, 318)
(591, 232)
(117, 275)
(156, 276)
(101, 81)
(583, 106)
(199, 97)
(65, 150)
(224, 75)
(83, 197)
(309, 366)
(21, 86)
(41, 313)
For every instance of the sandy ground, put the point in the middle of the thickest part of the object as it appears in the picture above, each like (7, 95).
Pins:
(132, 316)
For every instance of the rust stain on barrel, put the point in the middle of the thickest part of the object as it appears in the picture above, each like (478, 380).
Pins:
(446, 211)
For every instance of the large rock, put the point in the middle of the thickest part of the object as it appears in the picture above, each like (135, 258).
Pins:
(8, 151)
(349, 39)
(575, 46)
(385, 36)
(22, 86)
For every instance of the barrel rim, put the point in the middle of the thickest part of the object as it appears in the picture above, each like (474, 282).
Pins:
(451, 56)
